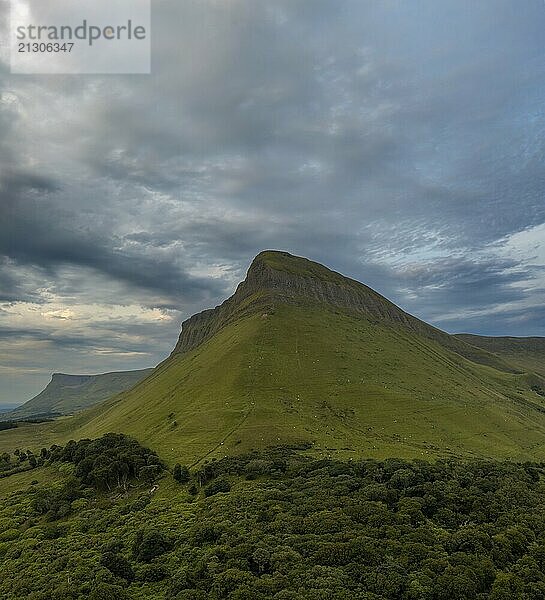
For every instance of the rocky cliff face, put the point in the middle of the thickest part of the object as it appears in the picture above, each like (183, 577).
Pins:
(279, 277)
(62, 379)
(266, 284)
(250, 296)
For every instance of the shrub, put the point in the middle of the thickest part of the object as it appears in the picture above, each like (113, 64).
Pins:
(118, 565)
(106, 591)
(217, 486)
(149, 544)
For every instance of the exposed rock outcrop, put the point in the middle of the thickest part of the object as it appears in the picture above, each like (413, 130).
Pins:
(69, 380)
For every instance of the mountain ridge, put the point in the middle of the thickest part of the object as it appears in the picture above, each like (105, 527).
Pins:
(66, 393)
(526, 352)
(300, 354)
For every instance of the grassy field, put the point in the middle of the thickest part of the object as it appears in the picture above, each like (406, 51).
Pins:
(21, 482)
(348, 385)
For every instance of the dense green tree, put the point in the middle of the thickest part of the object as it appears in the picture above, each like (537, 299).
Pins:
(181, 473)
(107, 591)
(118, 565)
(217, 486)
(312, 530)
(507, 586)
(149, 544)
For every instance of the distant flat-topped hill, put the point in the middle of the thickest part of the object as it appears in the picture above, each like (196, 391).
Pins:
(66, 394)
(301, 354)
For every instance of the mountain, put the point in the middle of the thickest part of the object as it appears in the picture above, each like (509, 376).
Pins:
(299, 355)
(66, 394)
(302, 354)
(527, 353)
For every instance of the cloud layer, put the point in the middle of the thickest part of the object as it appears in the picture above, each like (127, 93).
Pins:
(400, 143)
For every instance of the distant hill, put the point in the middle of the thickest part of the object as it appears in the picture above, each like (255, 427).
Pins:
(66, 394)
(301, 353)
(527, 353)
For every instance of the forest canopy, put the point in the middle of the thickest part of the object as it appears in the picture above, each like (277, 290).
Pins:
(274, 524)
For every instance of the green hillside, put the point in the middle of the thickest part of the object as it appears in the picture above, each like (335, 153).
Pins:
(66, 394)
(341, 382)
(528, 353)
(302, 354)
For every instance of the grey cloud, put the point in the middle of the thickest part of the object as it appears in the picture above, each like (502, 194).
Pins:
(36, 231)
(397, 142)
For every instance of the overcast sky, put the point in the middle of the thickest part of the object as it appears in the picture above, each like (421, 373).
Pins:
(400, 142)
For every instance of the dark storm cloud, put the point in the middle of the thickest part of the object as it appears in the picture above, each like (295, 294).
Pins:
(399, 142)
(35, 230)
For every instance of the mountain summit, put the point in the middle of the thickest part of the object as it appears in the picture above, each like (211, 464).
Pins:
(275, 278)
(302, 354)
(278, 277)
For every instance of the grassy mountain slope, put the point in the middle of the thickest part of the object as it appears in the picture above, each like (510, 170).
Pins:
(302, 354)
(528, 353)
(66, 394)
(344, 383)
